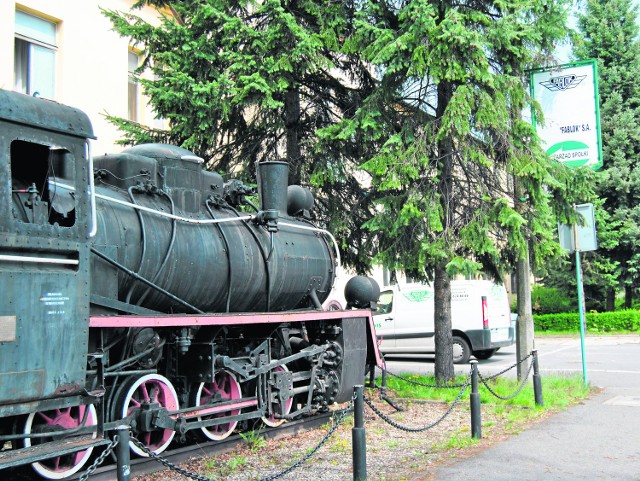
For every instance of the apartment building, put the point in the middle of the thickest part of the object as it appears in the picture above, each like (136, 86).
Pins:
(66, 50)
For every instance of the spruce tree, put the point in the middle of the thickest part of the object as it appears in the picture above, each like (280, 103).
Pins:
(447, 114)
(610, 33)
(241, 82)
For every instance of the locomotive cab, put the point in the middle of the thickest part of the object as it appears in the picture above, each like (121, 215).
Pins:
(44, 274)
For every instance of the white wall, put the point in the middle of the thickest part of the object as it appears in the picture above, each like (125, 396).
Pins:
(92, 63)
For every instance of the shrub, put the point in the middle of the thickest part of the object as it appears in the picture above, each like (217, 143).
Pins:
(550, 300)
(627, 320)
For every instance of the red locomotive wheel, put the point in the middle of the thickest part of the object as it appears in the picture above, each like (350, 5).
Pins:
(272, 420)
(224, 387)
(152, 388)
(54, 421)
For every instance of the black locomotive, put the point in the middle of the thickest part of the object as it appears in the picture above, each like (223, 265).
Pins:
(140, 288)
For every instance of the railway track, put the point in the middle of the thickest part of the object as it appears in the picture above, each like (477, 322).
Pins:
(181, 454)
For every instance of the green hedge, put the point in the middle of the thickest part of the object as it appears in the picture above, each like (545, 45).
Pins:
(550, 300)
(627, 320)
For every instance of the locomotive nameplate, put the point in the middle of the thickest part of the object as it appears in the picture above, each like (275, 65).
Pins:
(7, 328)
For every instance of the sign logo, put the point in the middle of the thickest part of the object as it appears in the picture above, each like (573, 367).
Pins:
(418, 296)
(565, 82)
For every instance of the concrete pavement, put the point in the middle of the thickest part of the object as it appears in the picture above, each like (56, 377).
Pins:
(597, 440)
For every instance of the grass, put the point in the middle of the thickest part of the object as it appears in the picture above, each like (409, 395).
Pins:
(458, 440)
(217, 469)
(499, 417)
(254, 440)
(340, 445)
(559, 392)
(589, 332)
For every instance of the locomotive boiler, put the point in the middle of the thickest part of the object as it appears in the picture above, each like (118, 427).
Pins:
(192, 240)
(140, 288)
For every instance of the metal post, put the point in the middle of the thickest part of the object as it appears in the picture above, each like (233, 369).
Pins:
(581, 304)
(101, 413)
(537, 380)
(122, 453)
(476, 422)
(358, 437)
(383, 393)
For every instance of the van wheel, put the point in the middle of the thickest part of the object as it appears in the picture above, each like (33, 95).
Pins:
(461, 350)
(484, 354)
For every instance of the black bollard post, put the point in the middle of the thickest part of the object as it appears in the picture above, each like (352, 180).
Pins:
(122, 453)
(474, 398)
(358, 437)
(537, 380)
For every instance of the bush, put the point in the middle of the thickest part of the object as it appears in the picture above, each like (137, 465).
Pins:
(550, 300)
(627, 320)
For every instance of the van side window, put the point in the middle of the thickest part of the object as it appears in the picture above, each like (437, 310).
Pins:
(385, 304)
(38, 173)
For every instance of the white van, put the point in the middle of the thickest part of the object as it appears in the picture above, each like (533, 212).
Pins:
(480, 319)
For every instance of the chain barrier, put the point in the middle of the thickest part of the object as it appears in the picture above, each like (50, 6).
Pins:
(174, 467)
(410, 429)
(168, 464)
(506, 398)
(463, 388)
(322, 442)
(418, 383)
(493, 376)
(100, 459)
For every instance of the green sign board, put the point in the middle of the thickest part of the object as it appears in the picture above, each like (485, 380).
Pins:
(568, 97)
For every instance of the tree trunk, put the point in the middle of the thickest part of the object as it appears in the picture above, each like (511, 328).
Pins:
(610, 300)
(524, 329)
(442, 286)
(524, 333)
(442, 324)
(628, 297)
(292, 126)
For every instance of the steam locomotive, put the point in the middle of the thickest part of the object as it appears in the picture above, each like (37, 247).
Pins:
(139, 288)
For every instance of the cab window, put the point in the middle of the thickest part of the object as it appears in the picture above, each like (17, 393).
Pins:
(40, 178)
(385, 304)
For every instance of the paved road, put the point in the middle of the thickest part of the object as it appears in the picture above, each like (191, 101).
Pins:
(597, 440)
(609, 359)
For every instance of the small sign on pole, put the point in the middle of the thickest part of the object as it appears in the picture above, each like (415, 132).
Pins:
(580, 238)
(584, 236)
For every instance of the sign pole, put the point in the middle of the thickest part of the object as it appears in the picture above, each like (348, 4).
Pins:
(581, 303)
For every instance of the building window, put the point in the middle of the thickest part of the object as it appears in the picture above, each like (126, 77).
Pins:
(35, 55)
(133, 87)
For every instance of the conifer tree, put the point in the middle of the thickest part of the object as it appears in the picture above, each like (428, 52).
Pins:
(243, 81)
(447, 114)
(610, 33)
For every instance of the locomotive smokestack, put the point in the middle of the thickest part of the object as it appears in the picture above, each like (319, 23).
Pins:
(273, 180)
